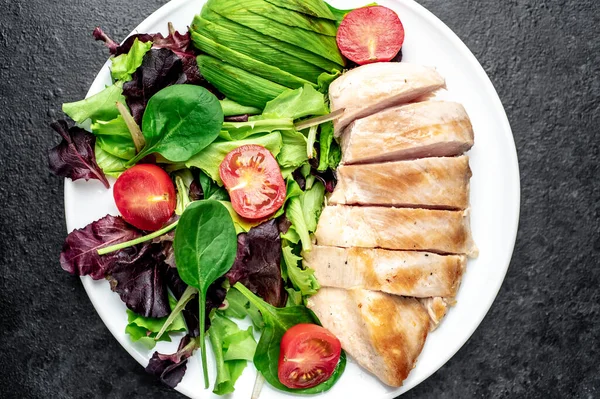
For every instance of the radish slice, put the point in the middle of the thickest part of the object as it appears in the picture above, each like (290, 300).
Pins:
(370, 34)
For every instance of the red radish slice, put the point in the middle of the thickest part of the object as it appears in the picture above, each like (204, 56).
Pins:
(370, 34)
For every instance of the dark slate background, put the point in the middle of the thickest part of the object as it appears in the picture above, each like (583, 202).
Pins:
(540, 338)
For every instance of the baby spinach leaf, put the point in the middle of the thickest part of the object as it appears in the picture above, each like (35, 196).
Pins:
(179, 122)
(277, 322)
(205, 248)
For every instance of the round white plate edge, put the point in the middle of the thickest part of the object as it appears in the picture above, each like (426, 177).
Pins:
(513, 178)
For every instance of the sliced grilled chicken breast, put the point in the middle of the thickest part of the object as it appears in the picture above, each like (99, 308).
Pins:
(436, 183)
(418, 130)
(437, 231)
(407, 273)
(437, 308)
(383, 333)
(371, 88)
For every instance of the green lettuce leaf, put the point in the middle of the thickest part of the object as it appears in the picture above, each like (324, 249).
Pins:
(144, 329)
(303, 280)
(330, 152)
(303, 212)
(296, 104)
(241, 130)
(110, 165)
(231, 108)
(240, 307)
(125, 65)
(232, 348)
(210, 158)
(100, 106)
(293, 151)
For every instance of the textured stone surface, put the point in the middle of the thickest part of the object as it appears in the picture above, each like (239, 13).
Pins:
(540, 338)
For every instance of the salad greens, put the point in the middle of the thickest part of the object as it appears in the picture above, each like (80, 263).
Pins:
(205, 247)
(145, 330)
(125, 65)
(233, 348)
(276, 322)
(254, 72)
(100, 106)
(179, 122)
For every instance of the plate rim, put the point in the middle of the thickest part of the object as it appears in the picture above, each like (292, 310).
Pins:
(161, 14)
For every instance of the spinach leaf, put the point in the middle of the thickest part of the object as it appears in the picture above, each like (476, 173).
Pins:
(101, 106)
(211, 190)
(179, 122)
(233, 348)
(124, 65)
(205, 247)
(277, 322)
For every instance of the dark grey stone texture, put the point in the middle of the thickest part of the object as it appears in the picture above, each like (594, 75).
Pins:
(540, 338)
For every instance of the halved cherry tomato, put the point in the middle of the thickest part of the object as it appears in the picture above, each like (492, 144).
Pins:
(253, 179)
(145, 196)
(309, 355)
(370, 34)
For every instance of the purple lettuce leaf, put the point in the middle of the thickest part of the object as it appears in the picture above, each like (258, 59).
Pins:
(160, 68)
(138, 276)
(74, 157)
(237, 118)
(170, 369)
(175, 41)
(257, 264)
(79, 254)
(214, 298)
(136, 273)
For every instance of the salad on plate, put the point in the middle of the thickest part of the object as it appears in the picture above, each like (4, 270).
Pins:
(278, 163)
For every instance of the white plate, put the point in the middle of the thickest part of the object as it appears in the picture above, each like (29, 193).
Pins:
(494, 198)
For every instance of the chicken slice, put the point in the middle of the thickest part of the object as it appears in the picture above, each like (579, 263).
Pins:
(435, 183)
(418, 130)
(371, 88)
(437, 307)
(407, 273)
(383, 333)
(446, 232)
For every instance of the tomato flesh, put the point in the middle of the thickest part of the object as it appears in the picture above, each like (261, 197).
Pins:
(370, 34)
(309, 355)
(253, 179)
(145, 196)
